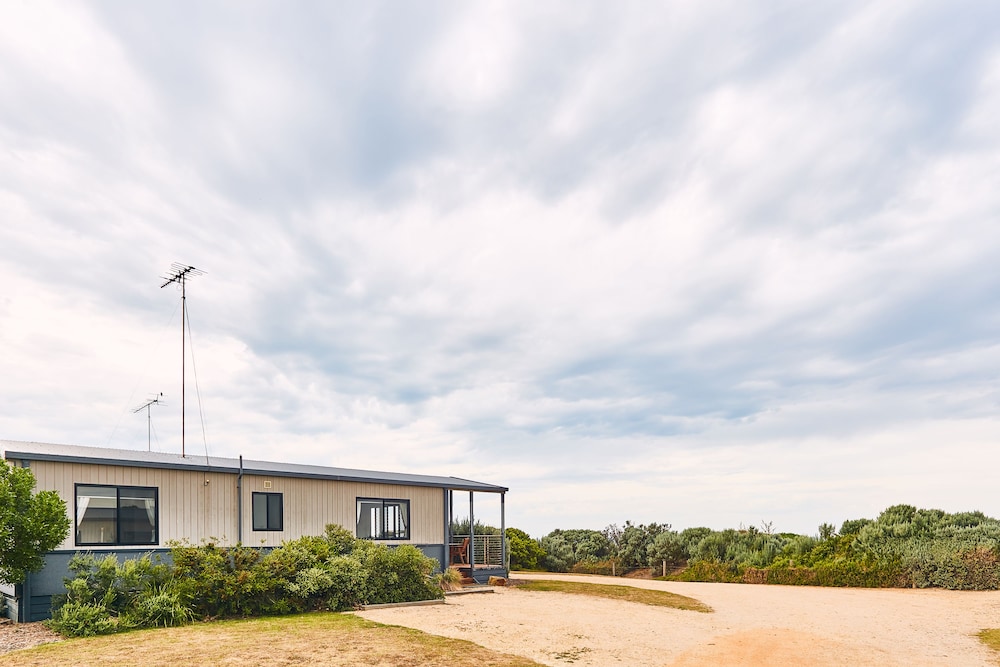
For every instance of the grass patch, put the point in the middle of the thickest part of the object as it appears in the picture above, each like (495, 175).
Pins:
(991, 638)
(616, 592)
(304, 639)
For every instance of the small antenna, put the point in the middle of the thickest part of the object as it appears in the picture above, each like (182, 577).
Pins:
(149, 419)
(179, 273)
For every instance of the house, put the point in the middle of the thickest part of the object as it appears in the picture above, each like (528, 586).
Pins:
(129, 502)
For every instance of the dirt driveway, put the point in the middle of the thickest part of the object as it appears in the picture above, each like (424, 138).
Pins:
(751, 625)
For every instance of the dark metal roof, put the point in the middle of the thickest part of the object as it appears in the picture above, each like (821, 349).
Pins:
(37, 451)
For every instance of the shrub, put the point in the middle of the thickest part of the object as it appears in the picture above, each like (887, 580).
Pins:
(111, 583)
(635, 542)
(108, 596)
(340, 539)
(30, 523)
(223, 581)
(559, 555)
(977, 568)
(398, 574)
(842, 573)
(82, 619)
(335, 571)
(904, 546)
(853, 526)
(525, 553)
(708, 570)
(159, 607)
(667, 546)
(312, 582)
(449, 580)
(349, 583)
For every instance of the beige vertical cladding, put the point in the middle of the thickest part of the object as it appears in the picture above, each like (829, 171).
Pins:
(191, 509)
(310, 504)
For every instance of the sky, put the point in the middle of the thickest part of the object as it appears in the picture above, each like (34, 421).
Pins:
(699, 263)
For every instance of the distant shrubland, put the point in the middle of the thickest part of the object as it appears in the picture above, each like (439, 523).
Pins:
(902, 547)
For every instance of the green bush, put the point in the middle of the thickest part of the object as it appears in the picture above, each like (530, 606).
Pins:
(340, 539)
(559, 554)
(708, 570)
(976, 569)
(111, 583)
(161, 608)
(525, 553)
(667, 546)
(83, 619)
(107, 596)
(31, 523)
(335, 571)
(349, 589)
(634, 543)
(223, 581)
(397, 574)
(842, 573)
(904, 546)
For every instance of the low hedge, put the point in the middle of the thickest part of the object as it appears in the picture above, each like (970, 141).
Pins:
(333, 572)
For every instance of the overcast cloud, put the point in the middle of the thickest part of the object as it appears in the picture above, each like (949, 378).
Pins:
(703, 263)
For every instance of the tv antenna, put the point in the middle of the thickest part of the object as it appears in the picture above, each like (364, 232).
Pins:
(179, 273)
(149, 419)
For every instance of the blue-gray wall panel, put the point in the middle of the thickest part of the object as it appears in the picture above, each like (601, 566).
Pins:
(41, 586)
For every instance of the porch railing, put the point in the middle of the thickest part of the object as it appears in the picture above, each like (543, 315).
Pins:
(487, 549)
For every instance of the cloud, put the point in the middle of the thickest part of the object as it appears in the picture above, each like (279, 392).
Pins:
(689, 264)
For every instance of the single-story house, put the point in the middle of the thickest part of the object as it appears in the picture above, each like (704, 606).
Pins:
(129, 502)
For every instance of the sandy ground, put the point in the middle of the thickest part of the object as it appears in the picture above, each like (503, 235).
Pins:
(751, 625)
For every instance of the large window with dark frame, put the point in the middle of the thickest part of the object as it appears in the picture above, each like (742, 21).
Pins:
(116, 515)
(383, 519)
(268, 513)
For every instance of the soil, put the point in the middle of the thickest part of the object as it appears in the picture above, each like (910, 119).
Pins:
(751, 625)
(14, 636)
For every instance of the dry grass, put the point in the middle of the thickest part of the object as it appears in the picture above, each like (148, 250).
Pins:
(616, 592)
(991, 638)
(319, 638)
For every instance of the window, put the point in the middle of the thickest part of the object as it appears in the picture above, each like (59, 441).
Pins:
(267, 511)
(381, 519)
(116, 515)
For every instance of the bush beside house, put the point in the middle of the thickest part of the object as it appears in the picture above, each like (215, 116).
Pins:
(30, 523)
(332, 572)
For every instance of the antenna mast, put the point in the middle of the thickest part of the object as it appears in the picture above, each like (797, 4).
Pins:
(179, 273)
(149, 419)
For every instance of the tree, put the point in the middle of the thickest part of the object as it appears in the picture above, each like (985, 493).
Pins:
(559, 555)
(586, 544)
(525, 553)
(30, 523)
(827, 531)
(667, 546)
(633, 546)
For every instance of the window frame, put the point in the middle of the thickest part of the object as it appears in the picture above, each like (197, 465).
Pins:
(383, 533)
(268, 496)
(118, 541)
